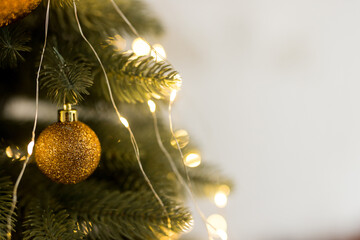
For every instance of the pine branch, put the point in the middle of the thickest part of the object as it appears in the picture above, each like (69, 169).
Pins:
(121, 215)
(100, 16)
(66, 81)
(137, 79)
(5, 204)
(45, 223)
(13, 41)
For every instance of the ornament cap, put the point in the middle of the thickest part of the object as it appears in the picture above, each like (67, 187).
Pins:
(67, 114)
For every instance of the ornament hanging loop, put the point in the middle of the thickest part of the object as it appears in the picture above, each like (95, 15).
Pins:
(67, 114)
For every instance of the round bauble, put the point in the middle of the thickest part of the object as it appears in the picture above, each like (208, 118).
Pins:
(67, 152)
(11, 10)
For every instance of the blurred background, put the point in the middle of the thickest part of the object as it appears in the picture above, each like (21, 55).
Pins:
(271, 93)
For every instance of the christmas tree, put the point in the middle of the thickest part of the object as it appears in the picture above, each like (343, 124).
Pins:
(72, 54)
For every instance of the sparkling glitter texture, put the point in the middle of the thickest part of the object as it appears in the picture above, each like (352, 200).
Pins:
(11, 10)
(67, 152)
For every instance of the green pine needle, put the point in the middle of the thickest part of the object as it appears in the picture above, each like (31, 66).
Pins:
(43, 222)
(13, 41)
(66, 81)
(5, 204)
(138, 79)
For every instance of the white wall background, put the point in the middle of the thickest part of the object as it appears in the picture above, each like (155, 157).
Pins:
(271, 93)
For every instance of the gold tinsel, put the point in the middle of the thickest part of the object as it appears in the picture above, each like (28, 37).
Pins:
(11, 10)
(67, 152)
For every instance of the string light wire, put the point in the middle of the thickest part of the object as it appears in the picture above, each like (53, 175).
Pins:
(122, 119)
(187, 186)
(136, 33)
(171, 101)
(31, 144)
(172, 98)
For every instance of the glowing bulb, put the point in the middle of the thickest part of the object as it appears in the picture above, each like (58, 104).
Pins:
(124, 122)
(30, 147)
(192, 160)
(225, 189)
(220, 199)
(172, 96)
(216, 223)
(222, 234)
(182, 138)
(17, 155)
(140, 47)
(152, 106)
(158, 53)
(9, 152)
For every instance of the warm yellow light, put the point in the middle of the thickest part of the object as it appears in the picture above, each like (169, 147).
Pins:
(152, 106)
(220, 199)
(216, 223)
(182, 138)
(124, 122)
(189, 226)
(192, 160)
(83, 227)
(225, 189)
(140, 47)
(172, 96)
(156, 96)
(17, 154)
(158, 52)
(178, 81)
(30, 147)
(117, 42)
(9, 152)
(222, 234)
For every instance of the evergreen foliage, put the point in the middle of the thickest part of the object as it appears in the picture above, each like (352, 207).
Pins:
(13, 42)
(137, 79)
(5, 203)
(65, 80)
(115, 202)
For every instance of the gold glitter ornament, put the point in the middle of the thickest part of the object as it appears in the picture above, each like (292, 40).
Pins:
(67, 151)
(11, 10)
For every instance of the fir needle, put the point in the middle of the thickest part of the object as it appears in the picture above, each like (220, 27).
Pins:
(31, 144)
(122, 119)
(133, 29)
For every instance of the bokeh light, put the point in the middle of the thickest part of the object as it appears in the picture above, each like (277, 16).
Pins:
(140, 47)
(182, 138)
(192, 160)
(216, 222)
(158, 52)
(220, 199)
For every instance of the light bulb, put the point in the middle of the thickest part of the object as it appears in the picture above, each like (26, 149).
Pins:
(158, 53)
(9, 152)
(30, 147)
(182, 138)
(140, 47)
(124, 122)
(216, 223)
(192, 160)
(152, 106)
(220, 199)
(172, 96)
